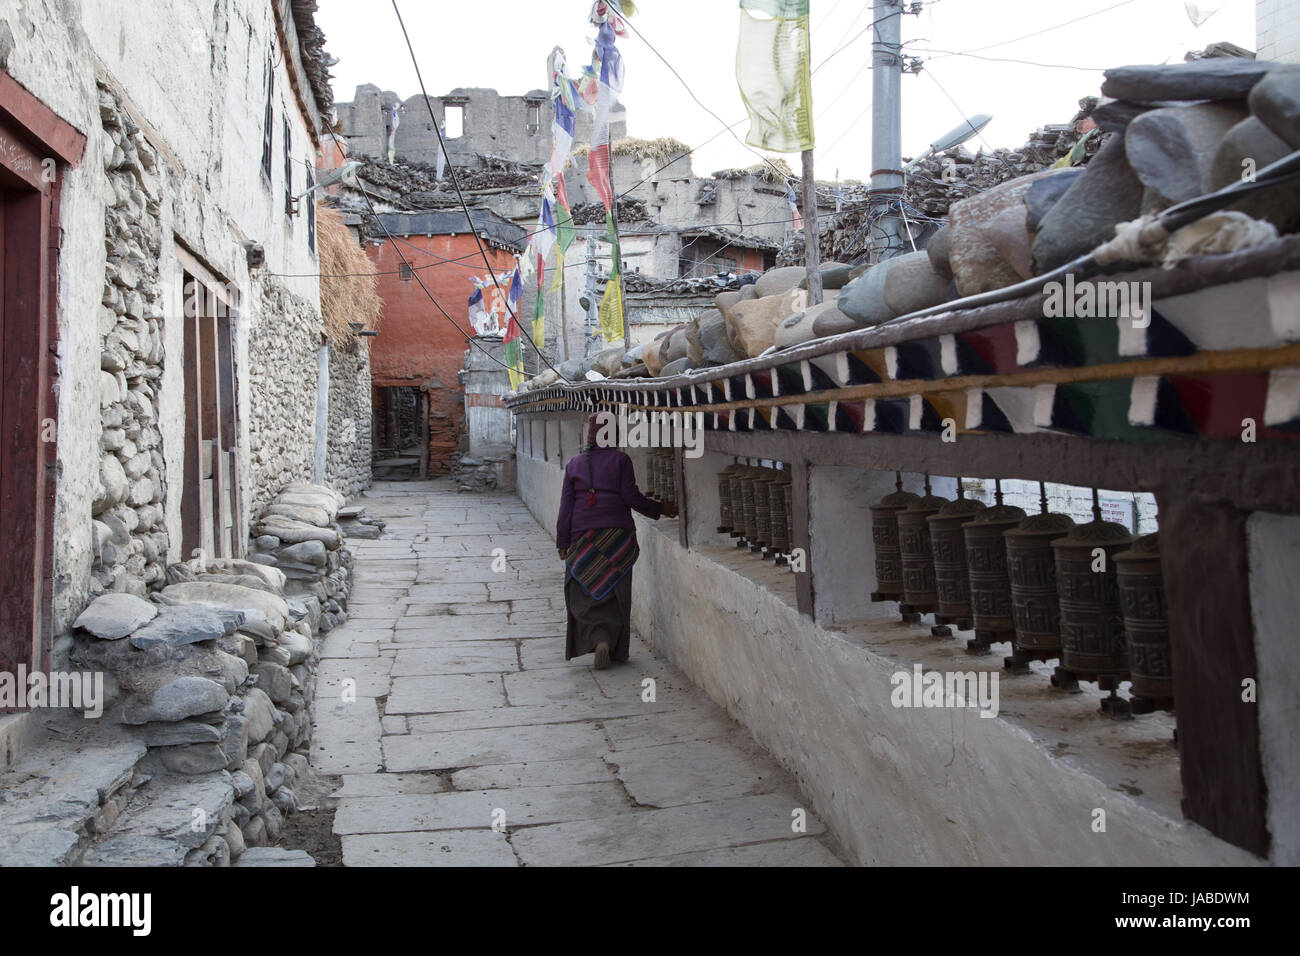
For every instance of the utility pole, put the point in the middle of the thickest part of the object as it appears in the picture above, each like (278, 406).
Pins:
(811, 241)
(887, 122)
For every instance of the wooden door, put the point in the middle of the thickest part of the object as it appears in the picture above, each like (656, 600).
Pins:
(210, 501)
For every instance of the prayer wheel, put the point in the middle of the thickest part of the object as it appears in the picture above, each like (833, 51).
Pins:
(1093, 646)
(948, 549)
(652, 474)
(1146, 625)
(884, 541)
(780, 524)
(990, 585)
(726, 520)
(1031, 569)
(919, 595)
(787, 492)
(748, 517)
(737, 505)
(762, 511)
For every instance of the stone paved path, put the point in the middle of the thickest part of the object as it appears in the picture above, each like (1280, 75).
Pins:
(463, 737)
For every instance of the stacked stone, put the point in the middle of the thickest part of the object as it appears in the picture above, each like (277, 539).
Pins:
(130, 538)
(299, 534)
(216, 677)
(282, 382)
(347, 461)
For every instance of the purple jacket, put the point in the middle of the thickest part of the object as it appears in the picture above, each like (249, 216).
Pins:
(616, 495)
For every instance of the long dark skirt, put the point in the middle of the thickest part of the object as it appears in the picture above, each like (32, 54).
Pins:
(592, 622)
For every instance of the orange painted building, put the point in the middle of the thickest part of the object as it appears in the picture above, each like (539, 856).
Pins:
(417, 400)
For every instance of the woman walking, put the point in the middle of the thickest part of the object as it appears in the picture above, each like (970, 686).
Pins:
(596, 538)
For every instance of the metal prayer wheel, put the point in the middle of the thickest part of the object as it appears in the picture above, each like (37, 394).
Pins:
(748, 517)
(919, 594)
(777, 499)
(948, 550)
(884, 541)
(787, 492)
(1031, 570)
(1093, 645)
(667, 476)
(1146, 625)
(737, 505)
(990, 584)
(762, 511)
(652, 474)
(726, 520)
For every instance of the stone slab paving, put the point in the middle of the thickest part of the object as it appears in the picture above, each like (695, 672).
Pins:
(463, 738)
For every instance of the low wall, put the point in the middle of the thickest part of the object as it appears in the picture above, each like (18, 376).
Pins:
(898, 785)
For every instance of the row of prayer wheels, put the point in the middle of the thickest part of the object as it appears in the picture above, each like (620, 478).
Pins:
(1088, 595)
(754, 508)
(661, 474)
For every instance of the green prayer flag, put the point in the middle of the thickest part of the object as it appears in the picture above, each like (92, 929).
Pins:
(772, 69)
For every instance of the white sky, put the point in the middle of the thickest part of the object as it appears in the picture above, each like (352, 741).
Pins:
(504, 45)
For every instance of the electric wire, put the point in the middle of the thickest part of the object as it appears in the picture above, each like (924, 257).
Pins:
(455, 181)
(468, 338)
(672, 69)
(989, 46)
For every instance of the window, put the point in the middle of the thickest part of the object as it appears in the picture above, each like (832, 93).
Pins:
(288, 167)
(404, 272)
(266, 123)
(454, 125)
(534, 118)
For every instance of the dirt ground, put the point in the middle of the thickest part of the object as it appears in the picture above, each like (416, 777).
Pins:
(313, 831)
(311, 828)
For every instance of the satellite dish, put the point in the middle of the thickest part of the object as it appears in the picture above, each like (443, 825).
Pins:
(958, 135)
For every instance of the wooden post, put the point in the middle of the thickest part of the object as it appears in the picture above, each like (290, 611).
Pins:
(812, 248)
(1210, 616)
(801, 538)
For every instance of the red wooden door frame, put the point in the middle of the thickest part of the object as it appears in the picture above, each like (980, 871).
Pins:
(36, 149)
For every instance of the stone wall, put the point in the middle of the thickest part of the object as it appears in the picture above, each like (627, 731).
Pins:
(130, 538)
(347, 461)
(282, 389)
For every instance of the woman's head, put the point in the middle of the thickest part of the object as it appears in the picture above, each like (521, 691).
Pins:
(595, 422)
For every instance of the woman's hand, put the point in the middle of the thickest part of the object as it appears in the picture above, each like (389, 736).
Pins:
(564, 553)
(669, 510)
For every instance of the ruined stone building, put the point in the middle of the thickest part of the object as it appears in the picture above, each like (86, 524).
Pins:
(172, 389)
(478, 124)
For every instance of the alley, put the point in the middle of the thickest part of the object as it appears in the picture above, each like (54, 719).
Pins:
(462, 736)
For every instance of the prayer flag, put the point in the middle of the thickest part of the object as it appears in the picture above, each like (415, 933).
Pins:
(773, 73)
